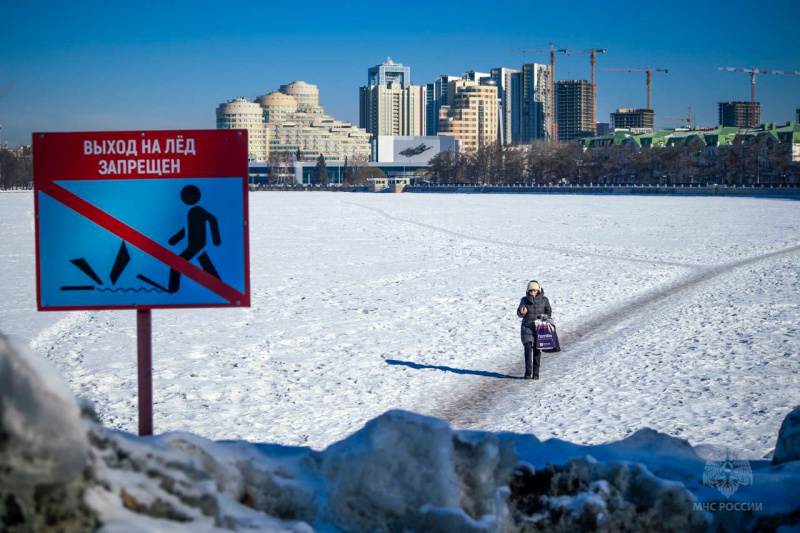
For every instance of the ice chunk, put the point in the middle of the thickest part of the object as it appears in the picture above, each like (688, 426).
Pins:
(788, 447)
(409, 472)
(42, 439)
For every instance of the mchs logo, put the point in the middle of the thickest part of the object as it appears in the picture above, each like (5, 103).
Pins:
(727, 470)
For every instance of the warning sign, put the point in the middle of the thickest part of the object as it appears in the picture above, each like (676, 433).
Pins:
(154, 219)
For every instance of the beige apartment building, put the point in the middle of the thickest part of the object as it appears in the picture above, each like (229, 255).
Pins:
(306, 94)
(313, 134)
(473, 116)
(293, 120)
(243, 114)
(277, 106)
(393, 109)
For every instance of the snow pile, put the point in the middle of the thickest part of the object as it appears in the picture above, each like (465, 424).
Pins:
(150, 485)
(43, 440)
(43, 447)
(585, 495)
(406, 471)
(61, 470)
(788, 447)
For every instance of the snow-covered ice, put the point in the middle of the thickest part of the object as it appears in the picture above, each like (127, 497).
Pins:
(678, 314)
(678, 318)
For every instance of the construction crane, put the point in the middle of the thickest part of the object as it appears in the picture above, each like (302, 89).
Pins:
(689, 119)
(649, 71)
(592, 60)
(552, 51)
(753, 72)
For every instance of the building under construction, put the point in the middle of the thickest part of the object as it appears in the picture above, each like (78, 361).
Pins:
(574, 109)
(635, 120)
(737, 114)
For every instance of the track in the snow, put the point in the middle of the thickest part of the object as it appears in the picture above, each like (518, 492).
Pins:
(567, 251)
(469, 406)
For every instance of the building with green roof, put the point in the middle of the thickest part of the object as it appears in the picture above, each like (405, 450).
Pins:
(617, 138)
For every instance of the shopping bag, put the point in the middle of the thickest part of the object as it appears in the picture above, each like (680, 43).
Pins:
(547, 337)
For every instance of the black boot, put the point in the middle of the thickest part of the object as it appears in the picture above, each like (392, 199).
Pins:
(537, 359)
(528, 360)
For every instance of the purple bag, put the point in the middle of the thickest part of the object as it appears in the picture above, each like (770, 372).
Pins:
(546, 337)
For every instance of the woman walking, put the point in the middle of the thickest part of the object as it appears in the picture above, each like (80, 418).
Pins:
(532, 307)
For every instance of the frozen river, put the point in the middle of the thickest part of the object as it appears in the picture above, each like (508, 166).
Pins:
(679, 314)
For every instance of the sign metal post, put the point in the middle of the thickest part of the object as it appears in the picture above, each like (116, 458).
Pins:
(144, 342)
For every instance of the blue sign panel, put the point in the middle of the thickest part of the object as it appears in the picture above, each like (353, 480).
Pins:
(83, 264)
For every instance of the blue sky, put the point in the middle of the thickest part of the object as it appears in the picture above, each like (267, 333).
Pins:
(156, 65)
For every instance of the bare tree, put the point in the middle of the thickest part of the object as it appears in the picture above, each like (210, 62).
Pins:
(513, 164)
(16, 169)
(355, 173)
(280, 167)
(364, 174)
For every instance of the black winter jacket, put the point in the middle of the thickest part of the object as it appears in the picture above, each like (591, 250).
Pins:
(536, 307)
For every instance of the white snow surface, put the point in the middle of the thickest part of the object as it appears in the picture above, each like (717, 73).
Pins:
(678, 314)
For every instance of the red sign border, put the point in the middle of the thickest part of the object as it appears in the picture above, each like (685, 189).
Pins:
(245, 296)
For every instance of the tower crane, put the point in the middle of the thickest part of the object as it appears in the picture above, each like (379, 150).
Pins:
(552, 51)
(648, 70)
(689, 119)
(592, 60)
(753, 72)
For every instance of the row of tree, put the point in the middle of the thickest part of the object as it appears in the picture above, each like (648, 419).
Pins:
(541, 163)
(548, 163)
(16, 169)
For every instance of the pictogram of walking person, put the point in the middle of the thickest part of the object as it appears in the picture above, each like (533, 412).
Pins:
(195, 235)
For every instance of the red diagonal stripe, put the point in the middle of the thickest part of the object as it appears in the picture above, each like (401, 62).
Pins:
(145, 244)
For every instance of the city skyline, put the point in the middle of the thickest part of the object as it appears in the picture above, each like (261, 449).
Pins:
(154, 66)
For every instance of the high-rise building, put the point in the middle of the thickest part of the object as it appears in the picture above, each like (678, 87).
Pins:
(472, 116)
(278, 123)
(574, 109)
(504, 78)
(435, 98)
(797, 116)
(389, 104)
(389, 72)
(393, 109)
(307, 96)
(738, 114)
(242, 114)
(516, 107)
(635, 120)
(536, 103)
(431, 110)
